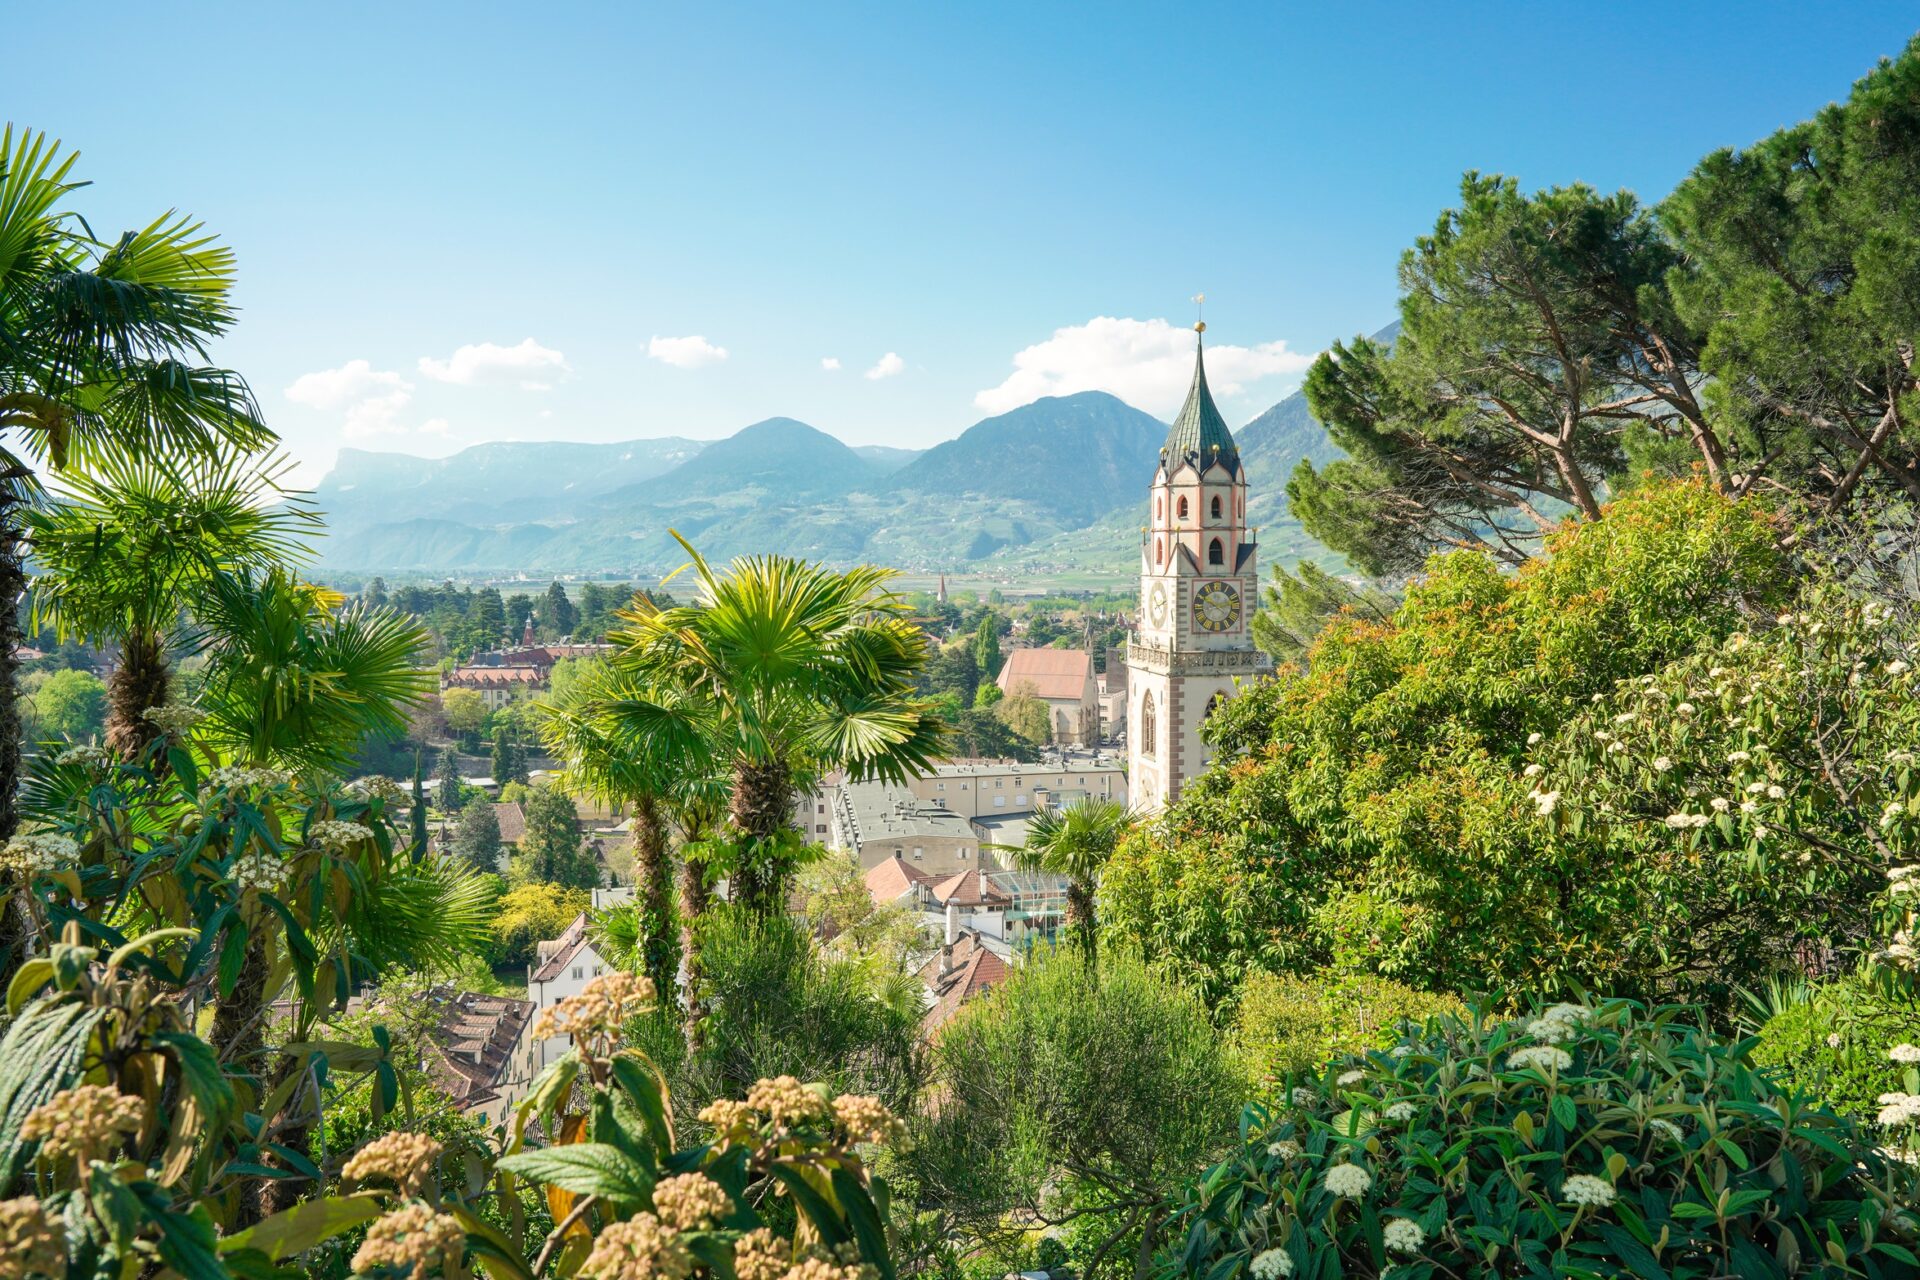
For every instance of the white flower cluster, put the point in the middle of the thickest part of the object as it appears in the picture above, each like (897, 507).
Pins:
(1687, 821)
(1403, 1235)
(1559, 1024)
(1274, 1264)
(1905, 1054)
(1303, 1097)
(1542, 1057)
(38, 851)
(1401, 1112)
(174, 721)
(1585, 1189)
(1668, 1130)
(235, 778)
(1285, 1149)
(1904, 880)
(86, 753)
(1544, 802)
(336, 836)
(1347, 1079)
(1348, 1181)
(1898, 1109)
(257, 871)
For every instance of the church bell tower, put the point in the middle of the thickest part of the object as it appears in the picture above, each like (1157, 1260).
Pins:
(1198, 577)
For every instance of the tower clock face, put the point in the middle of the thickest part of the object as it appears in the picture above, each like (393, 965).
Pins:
(1216, 607)
(1157, 604)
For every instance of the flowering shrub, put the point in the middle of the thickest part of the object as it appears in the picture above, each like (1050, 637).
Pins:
(1373, 805)
(1575, 1142)
(1849, 1042)
(1291, 1025)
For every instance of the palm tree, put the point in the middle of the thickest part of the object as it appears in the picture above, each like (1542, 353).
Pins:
(130, 546)
(797, 670)
(102, 354)
(1075, 841)
(648, 749)
(298, 681)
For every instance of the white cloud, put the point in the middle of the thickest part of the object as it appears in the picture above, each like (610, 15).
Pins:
(371, 398)
(830, 363)
(889, 365)
(489, 362)
(1147, 363)
(434, 427)
(691, 352)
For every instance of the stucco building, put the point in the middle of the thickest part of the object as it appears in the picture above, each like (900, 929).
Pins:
(1063, 679)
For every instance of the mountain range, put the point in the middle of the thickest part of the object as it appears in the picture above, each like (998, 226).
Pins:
(1056, 484)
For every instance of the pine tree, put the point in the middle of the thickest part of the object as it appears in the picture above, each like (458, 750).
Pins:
(557, 612)
(448, 780)
(419, 812)
(502, 757)
(986, 649)
(476, 837)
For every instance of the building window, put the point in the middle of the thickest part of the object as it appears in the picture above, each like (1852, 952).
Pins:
(1181, 510)
(1147, 727)
(1159, 551)
(1019, 799)
(963, 853)
(1216, 506)
(999, 802)
(598, 970)
(939, 786)
(918, 852)
(579, 972)
(998, 783)
(1216, 552)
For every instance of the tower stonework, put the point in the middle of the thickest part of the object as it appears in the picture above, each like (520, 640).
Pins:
(1198, 576)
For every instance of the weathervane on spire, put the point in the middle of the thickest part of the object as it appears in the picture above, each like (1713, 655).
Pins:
(1199, 312)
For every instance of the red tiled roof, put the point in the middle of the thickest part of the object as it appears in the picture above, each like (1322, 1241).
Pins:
(893, 879)
(957, 975)
(555, 956)
(1059, 674)
(491, 677)
(966, 889)
(474, 1043)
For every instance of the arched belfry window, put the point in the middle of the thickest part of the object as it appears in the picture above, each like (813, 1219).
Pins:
(1216, 551)
(1216, 506)
(1214, 703)
(1147, 729)
(1159, 508)
(1159, 550)
(1181, 510)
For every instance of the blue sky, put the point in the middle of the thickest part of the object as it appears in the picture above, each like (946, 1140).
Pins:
(468, 222)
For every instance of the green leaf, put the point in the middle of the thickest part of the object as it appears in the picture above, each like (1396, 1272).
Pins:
(584, 1168)
(640, 1081)
(865, 1220)
(833, 1232)
(296, 1230)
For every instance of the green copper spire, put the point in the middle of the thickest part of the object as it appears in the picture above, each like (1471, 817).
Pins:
(1200, 434)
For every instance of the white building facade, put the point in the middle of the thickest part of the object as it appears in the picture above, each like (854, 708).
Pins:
(1198, 578)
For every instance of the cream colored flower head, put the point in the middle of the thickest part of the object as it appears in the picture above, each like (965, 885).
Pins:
(865, 1119)
(599, 1011)
(1542, 1057)
(1403, 1235)
(38, 851)
(1348, 1181)
(784, 1100)
(405, 1159)
(1273, 1264)
(690, 1201)
(761, 1255)
(84, 1122)
(641, 1248)
(336, 836)
(413, 1237)
(31, 1243)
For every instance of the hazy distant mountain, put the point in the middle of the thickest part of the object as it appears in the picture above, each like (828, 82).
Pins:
(788, 460)
(1077, 457)
(508, 481)
(1056, 484)
(886, 457)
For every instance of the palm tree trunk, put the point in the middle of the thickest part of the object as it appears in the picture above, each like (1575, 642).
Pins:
(138, 684)
(693, 905)
(1080, 922)
(653, 877)
(762, 809)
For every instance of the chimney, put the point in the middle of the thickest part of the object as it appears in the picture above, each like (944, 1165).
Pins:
(953, 923)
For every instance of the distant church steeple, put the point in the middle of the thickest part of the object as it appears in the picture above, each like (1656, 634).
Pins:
(526, 634)
(1198, 578)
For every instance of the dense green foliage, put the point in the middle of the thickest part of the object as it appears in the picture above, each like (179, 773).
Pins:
(1574, 1142)
(1372, 813)
(1073, 1096)
(528, 914)
(1289, 1026)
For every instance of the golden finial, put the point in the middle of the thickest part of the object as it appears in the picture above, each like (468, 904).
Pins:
(1199, 308)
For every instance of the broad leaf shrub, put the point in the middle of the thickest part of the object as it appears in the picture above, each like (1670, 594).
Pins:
(1582, 1143)
(1850, 1042)
(1288, 1025)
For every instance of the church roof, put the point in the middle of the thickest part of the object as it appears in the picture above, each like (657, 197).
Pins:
(1199, 434)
